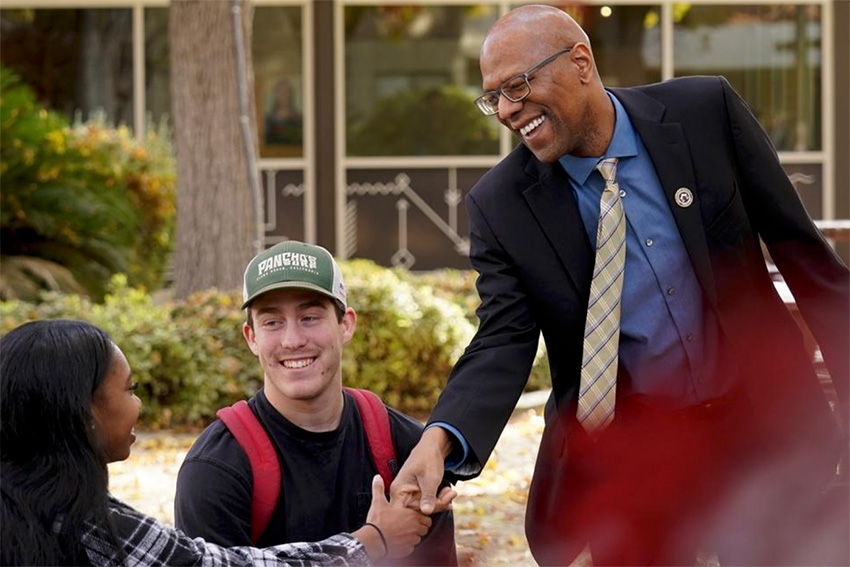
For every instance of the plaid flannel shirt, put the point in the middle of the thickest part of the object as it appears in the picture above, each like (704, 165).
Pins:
(148, 542)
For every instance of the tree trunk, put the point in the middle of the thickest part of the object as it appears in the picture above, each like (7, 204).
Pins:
(215, 218)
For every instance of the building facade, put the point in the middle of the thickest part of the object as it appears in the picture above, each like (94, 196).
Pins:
(368, 138)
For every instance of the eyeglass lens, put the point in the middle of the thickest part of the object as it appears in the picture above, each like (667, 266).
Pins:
(514, 89)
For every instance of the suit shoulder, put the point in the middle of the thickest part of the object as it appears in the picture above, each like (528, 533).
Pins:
(690, 92)
(692, 86)
(700, 100)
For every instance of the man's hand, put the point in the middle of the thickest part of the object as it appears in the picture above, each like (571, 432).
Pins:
(417, 482)
(390, 531)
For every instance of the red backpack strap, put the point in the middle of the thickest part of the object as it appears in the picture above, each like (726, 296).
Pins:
(376, 422)
(265, 466)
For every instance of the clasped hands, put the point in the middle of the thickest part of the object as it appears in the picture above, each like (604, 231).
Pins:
(395, 527)
(417, 484)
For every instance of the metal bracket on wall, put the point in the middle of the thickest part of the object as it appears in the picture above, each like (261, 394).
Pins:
(400, 186)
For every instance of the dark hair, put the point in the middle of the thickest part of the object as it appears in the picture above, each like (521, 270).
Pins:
(54, 472)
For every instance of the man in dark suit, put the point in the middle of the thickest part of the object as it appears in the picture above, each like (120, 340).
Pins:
(695, 422)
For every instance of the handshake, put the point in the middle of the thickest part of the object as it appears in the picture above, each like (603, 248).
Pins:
(395, 527)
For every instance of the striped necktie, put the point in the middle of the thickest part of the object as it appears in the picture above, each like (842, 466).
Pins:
(602, 328)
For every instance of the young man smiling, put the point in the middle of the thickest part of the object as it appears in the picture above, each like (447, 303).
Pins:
(298, 321)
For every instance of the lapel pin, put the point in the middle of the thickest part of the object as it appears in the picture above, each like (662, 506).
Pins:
(684, 197)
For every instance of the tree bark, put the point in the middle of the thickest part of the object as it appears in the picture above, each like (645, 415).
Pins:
(215, 224)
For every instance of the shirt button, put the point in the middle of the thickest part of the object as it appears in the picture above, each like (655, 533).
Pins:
(689, 338)
(622, 193)
(671, 291)
(649, 242)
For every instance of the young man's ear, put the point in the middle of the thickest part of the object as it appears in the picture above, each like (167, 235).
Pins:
(348, 323)
(250, 338)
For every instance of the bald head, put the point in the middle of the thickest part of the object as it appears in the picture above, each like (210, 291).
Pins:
(555, 101)
(545, 26)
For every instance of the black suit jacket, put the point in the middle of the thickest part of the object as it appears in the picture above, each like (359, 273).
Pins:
(529, 245)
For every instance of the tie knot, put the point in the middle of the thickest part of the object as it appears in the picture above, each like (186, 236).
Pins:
(608, 168)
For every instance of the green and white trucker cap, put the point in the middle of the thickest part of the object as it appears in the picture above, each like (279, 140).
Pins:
(296, 265)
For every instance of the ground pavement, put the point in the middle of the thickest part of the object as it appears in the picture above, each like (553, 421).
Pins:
(488, 511)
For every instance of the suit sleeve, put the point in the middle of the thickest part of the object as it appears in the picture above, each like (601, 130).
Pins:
(815, 274)
(213, 502)
(488, 379)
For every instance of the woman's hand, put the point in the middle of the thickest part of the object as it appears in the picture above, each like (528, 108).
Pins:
(395, 530)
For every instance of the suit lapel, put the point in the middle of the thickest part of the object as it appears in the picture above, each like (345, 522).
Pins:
(669, 152)
(553, 205)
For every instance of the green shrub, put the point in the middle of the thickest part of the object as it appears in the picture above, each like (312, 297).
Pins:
(458, 286)
(171, 359)
(540, 377)
(79, 204)
(210, 322)
(415, 122)
(190, 359)
(144, 172)
(407, 338)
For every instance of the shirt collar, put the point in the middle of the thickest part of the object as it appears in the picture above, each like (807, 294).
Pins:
(623, 144)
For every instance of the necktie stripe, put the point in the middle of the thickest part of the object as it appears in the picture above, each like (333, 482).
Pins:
(607, 205)
(613, 231)
(595, 350)
(607, 263)
(603, 365)
(597, 391)
(598, 321)
(595, 414)
(603, 280)
(596, 403)
(600, 418)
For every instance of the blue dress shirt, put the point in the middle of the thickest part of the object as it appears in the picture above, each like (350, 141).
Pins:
(669, 341)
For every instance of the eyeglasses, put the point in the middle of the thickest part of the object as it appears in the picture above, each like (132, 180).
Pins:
(514, 89)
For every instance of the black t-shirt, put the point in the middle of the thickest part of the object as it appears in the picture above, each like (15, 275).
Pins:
(326, 489)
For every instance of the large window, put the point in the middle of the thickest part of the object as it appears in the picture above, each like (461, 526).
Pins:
(76, 60)
(626, 41)
(279, 80)
(411, 76)
(400, 132)
(772, 56)
(157, 64)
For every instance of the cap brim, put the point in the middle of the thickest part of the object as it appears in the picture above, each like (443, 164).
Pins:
(291, 285)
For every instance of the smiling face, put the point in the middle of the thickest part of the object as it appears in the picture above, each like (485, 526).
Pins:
(115, 409)
(298, 339)
(567, 111)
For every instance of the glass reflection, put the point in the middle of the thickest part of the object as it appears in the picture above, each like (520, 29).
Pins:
(411, 80)
(278, 80)
(626, 40)
(770, 54)
(157, 64)
(78, 61)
